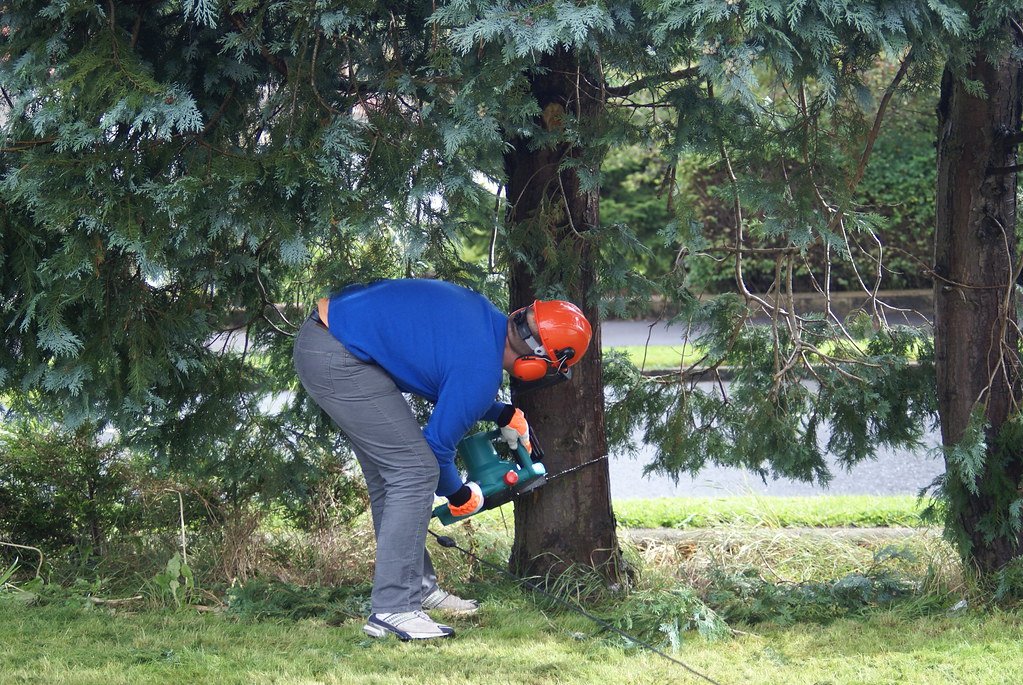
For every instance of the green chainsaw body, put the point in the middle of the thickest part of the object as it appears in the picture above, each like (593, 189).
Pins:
(500, 478)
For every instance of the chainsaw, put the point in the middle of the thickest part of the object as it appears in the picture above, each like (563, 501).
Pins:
(501, 479)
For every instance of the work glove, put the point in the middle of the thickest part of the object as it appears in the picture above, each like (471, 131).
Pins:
(514, 428)
(468, 499)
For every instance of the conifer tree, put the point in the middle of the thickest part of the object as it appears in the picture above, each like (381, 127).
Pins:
(976, 271)
(176, 170)
(180, 180)
(794, 161)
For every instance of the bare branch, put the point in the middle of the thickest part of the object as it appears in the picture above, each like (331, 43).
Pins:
(22, 145)
(312, 77)
(737, 206)
(492, 251)
(34, 549)
(215, 119)
(876, 128)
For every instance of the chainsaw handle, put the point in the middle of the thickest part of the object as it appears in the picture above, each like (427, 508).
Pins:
(520, 453)
(537, 454)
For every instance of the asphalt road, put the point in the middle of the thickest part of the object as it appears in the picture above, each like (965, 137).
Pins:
(891, 472)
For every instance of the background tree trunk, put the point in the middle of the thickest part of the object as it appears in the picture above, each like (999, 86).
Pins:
(976, 338)
(570, 521)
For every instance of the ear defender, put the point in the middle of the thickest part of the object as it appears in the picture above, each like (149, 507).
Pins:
(549, 362)
(530, 368)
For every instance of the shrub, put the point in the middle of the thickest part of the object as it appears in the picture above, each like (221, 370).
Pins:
(61, 489)
(98, 510)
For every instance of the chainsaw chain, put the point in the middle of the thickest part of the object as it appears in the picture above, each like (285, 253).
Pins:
(576, 468)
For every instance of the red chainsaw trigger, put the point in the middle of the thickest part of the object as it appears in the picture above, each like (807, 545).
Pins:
(511, 478)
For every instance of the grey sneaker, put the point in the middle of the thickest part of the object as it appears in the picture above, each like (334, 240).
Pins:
(407, 625)
(450, 604)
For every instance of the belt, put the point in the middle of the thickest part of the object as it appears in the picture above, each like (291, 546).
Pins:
(315, 316)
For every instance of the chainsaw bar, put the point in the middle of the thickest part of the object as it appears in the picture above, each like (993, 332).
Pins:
(533, 485)
(538, 455)
(536, 484)
(529, 486)
(591, 462)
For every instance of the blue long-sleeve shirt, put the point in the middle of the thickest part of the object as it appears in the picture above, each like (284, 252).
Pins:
(442, 342)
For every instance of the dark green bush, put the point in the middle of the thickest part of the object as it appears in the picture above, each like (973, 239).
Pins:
(61, 489)
(97, 509)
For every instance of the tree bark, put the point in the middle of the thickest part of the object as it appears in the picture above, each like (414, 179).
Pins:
(975, 336)
(570, 521)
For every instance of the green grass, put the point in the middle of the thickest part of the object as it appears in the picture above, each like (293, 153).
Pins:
(670, 357)
(827, 511)
(797, 630)
(510, 642)
(771, 512)
(785, 623)
(661, 357)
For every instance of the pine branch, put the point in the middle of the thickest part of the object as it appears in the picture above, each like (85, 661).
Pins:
(273, 60)
(650, 81)
(878, 118)
(22, 145)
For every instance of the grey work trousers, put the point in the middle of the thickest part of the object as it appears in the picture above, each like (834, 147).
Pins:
(400, 468)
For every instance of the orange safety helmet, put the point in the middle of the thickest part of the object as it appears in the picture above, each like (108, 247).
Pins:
(564, 337)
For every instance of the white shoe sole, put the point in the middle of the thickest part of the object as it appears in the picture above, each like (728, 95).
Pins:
(381, 632)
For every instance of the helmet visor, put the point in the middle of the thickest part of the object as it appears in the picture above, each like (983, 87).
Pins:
(520, 320)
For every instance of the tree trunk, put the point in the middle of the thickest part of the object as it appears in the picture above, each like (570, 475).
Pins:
(570, 521)
(975, 336)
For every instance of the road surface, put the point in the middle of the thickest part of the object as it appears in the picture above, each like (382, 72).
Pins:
(892, 472)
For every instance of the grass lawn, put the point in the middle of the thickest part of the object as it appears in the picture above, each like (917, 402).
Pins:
(661, 357)
(771, 512)
(64, 639)
(511, 641)
(825, 511)
(674, 357)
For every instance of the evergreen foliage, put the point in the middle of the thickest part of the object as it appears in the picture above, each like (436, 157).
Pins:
(177, 189)
(977, 470)
(181, 179)
(745, 597)
(897, 185)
